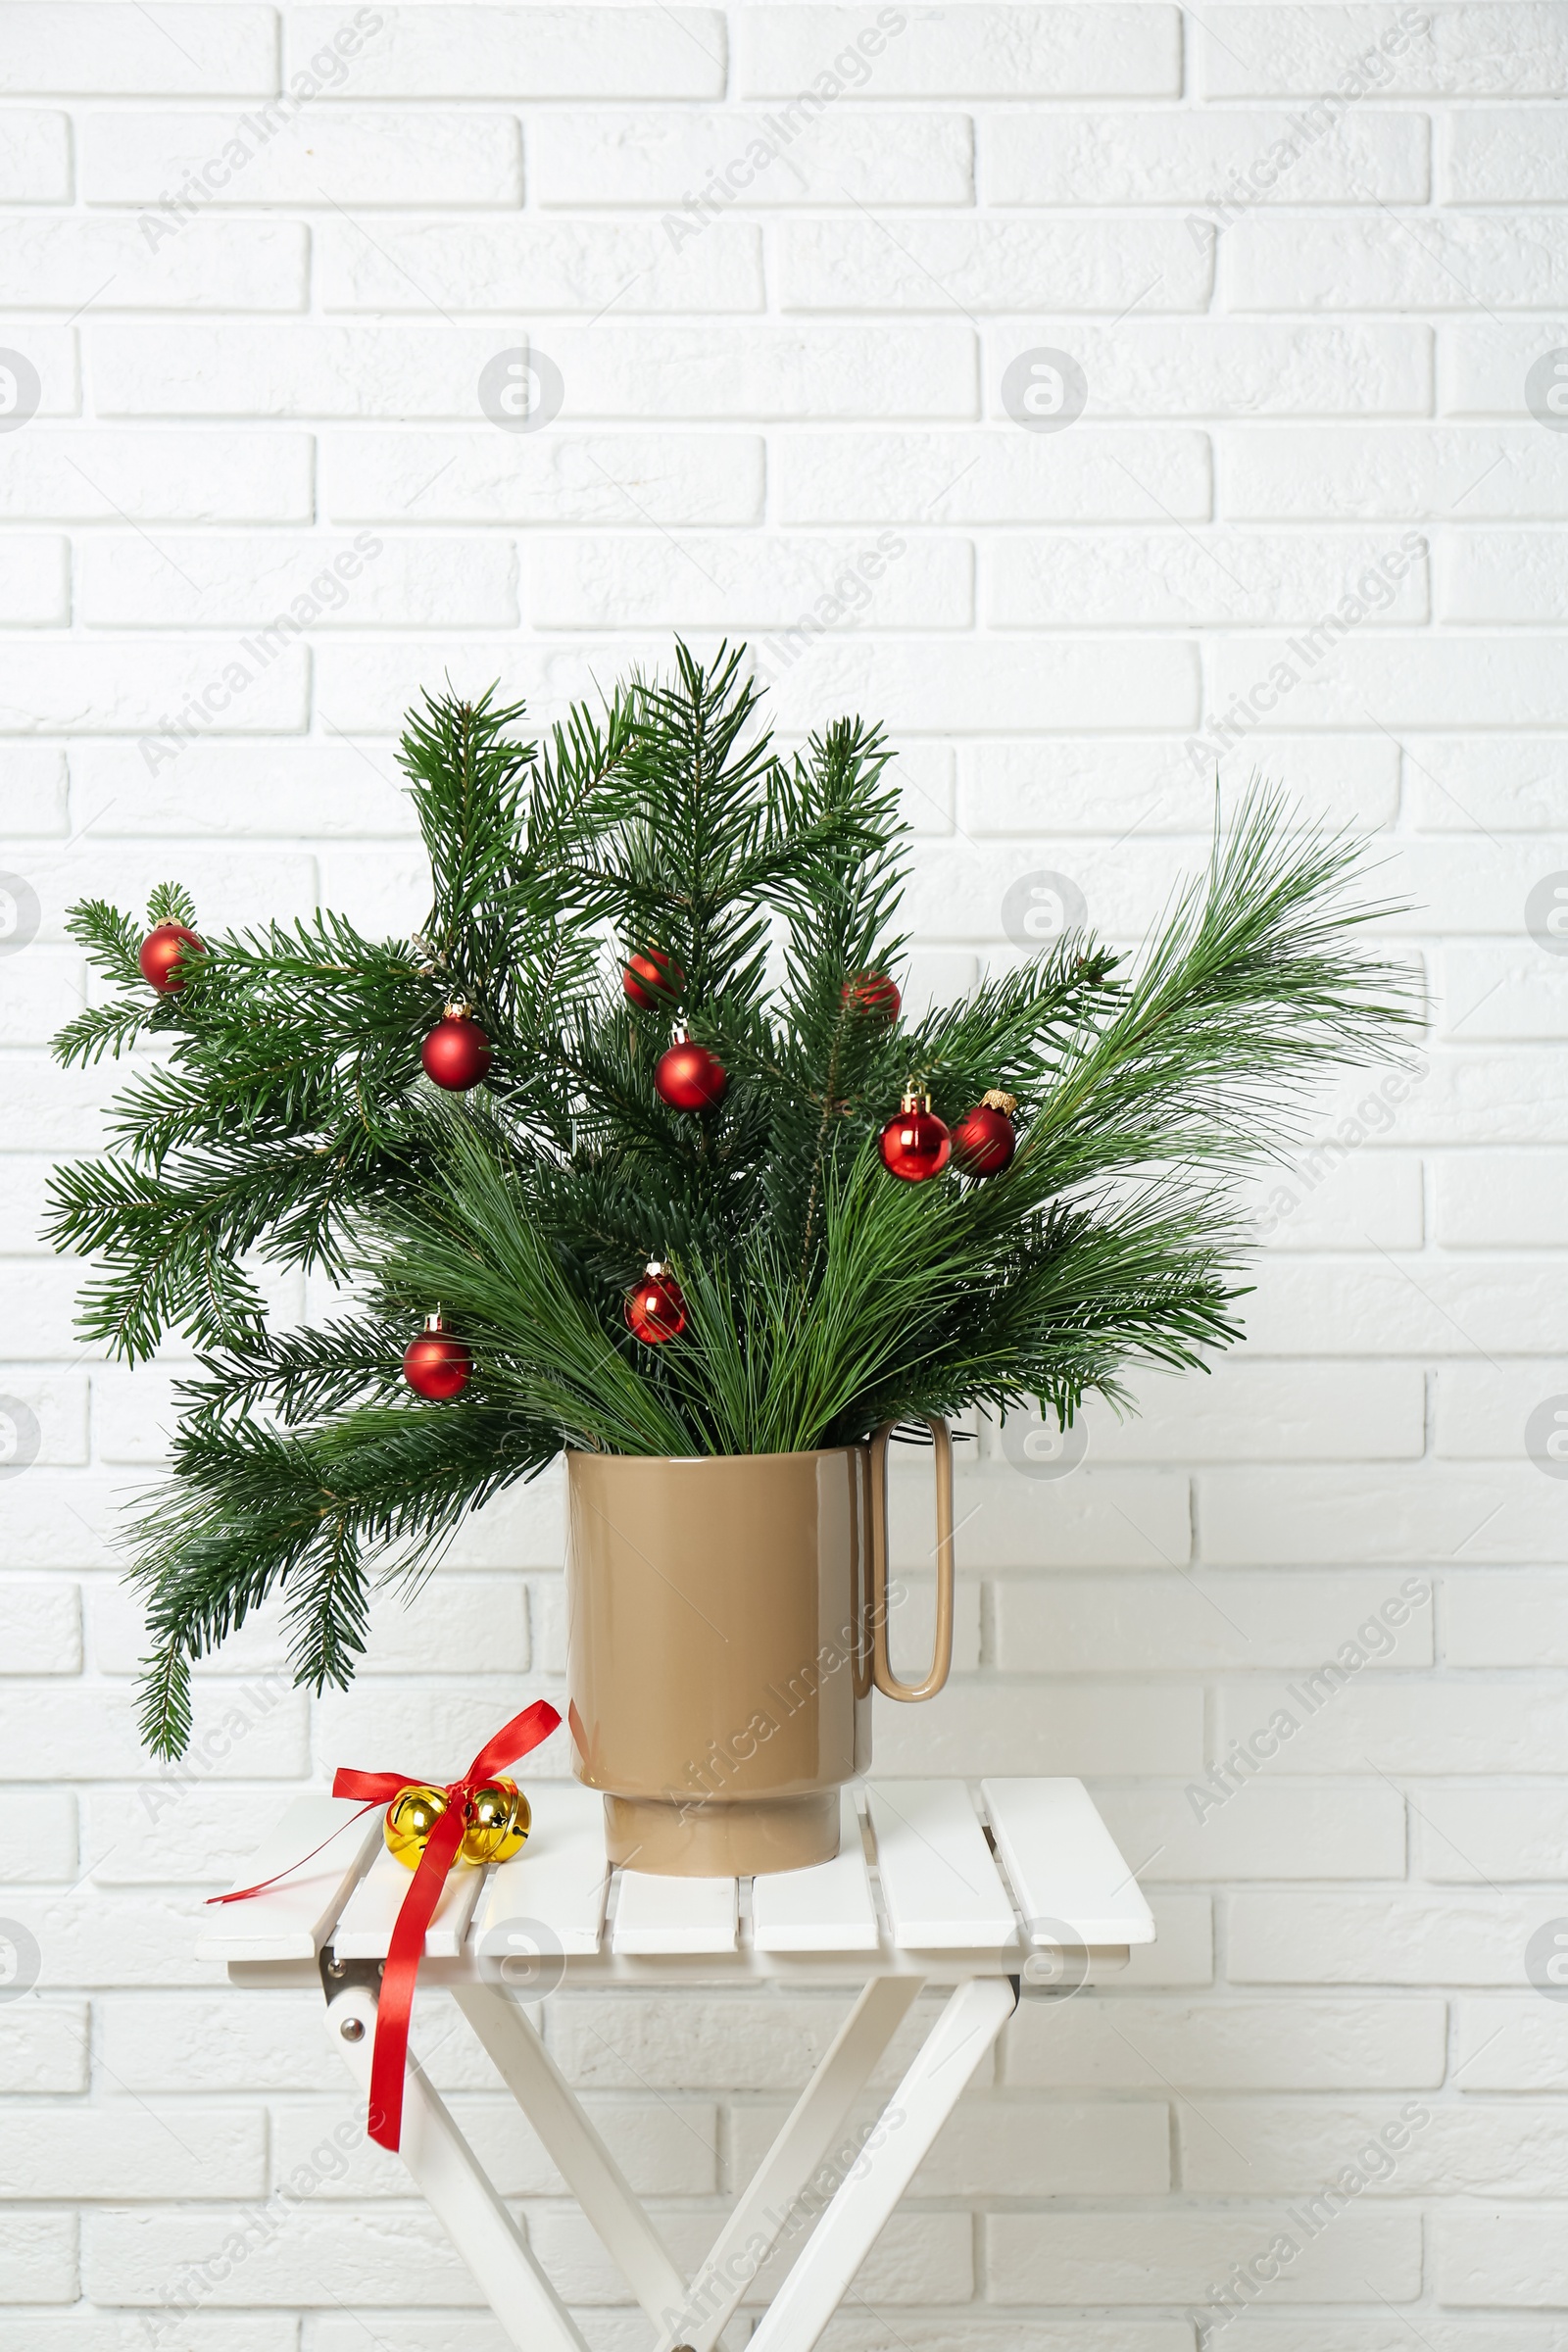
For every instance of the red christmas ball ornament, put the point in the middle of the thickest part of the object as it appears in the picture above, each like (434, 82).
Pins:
(457, 1052)
(916, 1145)
(875, 993)
(690, 1078)
(163, 954)
(985, 1139)
(435, 1365)
(655, 1308)
(652, 979)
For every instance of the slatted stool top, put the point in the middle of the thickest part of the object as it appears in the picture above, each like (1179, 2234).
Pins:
(933, 1878)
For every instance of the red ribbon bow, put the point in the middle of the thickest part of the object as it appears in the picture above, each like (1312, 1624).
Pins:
(395, 2005)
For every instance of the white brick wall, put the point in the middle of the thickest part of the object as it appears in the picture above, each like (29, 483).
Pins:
(256, 260)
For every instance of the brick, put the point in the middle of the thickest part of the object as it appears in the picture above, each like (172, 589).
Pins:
(1376, 262)
(34, 582)
(1196, 1623)
(35, 164)
(1502, 576)
(1512, 2041)
(116, 690)
(367, 582)
(1174, 579)
(1193, 158)
(115, 2150)
(40, 1624)
(627, 2041)
(327, 790)
(1510, 1201)
(317, 2253)
(1090, 784)
(90, 1734)
(1471, 2149)
(569, 479)
(610, 369)
(166, 1831)
(1386, 2333)
(1485, 366)
(919, 2258)
(1455, 681)
(1469, 51)
(1522, 1833)
(1512, 2256)
(1334, 1195)
(1413, 1725)
(1225, 367)
(365, 159)
(1406, 1936)
(960, 2332)
(1497, 783)
(1493, 1620)
(159, 477)
(187, 50)
(1505, 154)
(1010, 2147)
(452, 51)
(991, 265)
(1304, 472)
(702, 164)
(1239, 2045)
(990, 478)
(1331, 1517)
(85, 2330)
(38, 2257)
(1128, 1519)
(32, 791)
(940, 686)
(603, 2330)
(53, 352)
(532, 265)
(207, 2041)
(986, 1727)
(1179, 2257)
(985, 51)
(1512, 995)
(37, 992)
(71, 260)
(1473, 1096)
(879, 581)
(664, 2149)
(40, 1833)
(1262, 1831)
(1341, 1308)
(44, 2047)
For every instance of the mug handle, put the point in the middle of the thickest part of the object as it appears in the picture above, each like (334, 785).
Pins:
(887, 1682)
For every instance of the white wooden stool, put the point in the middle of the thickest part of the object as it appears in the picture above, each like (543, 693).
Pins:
(1014, 1888)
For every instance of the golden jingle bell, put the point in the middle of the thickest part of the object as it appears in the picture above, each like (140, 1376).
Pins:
(497, 1817)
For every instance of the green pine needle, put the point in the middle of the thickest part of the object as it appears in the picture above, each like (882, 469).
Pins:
(288, 1123)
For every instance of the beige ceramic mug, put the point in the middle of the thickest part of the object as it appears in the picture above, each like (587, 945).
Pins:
(727, 1618)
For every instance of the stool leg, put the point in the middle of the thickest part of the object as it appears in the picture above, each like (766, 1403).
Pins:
(807, 2138)
(863, 2204)
(459, 2193)
(591, 2173)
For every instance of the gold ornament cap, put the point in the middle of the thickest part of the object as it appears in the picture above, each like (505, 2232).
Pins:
(915, 1096)
(994, 1100)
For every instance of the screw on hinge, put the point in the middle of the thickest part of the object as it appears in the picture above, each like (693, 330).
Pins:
(336, 1967)
(353, 2028)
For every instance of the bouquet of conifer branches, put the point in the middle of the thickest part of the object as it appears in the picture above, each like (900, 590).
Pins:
(655, 878)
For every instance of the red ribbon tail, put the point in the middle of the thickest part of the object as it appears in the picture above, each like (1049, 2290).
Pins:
(395, 2007)
(240, 1894)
